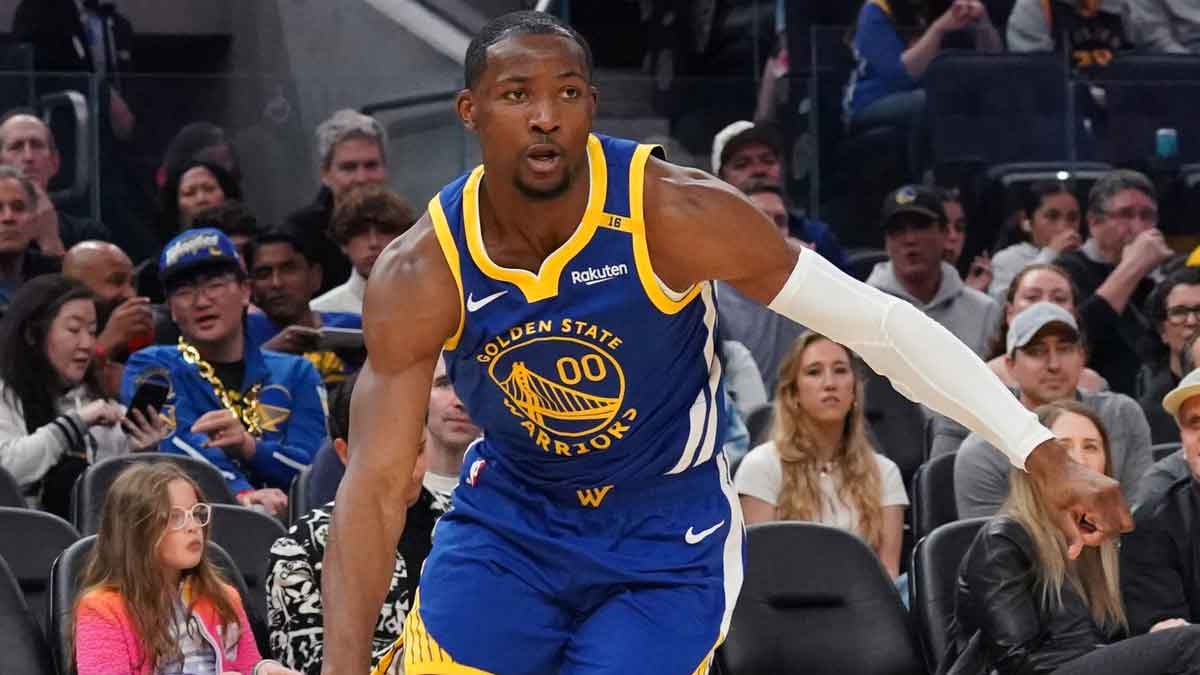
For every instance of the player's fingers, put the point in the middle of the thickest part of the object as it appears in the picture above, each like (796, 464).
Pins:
(1066, 521)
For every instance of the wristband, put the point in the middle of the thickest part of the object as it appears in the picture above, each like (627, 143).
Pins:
(100, 355)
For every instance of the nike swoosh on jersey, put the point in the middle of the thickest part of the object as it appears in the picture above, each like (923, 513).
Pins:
(475, 305)
(697, 537)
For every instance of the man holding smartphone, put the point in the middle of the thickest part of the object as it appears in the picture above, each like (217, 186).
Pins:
(284, 275)
(256, 415)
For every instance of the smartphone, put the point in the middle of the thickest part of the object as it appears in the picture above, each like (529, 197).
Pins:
(148, 395)
(341, 338)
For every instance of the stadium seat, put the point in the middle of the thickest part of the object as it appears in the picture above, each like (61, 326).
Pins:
(932, 583)
(64, 587)
(835, 612)
(897, 424)
(93, 484)
(1161, 450)
(22, 643)
(298, 496)
(30, 542)
(758, 424)
(1003, 187)
(10, 491)
(860, 262)
(247, 535)
(997, 108)
(933, 502)
(1144, 93)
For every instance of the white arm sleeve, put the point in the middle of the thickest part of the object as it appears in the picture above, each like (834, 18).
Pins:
(923, 360)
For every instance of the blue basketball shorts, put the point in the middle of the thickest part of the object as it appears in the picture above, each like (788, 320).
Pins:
(610, 580)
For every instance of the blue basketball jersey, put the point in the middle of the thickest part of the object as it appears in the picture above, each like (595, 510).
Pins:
(591, 372)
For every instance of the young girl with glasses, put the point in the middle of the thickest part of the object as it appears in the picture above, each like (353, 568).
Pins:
(152, 602)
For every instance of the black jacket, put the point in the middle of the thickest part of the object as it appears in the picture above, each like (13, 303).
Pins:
(312, 223)
(1160, 559)
(998, 599)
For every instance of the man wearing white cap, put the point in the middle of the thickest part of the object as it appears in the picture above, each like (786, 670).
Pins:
(1160, 560)
(1045, 354)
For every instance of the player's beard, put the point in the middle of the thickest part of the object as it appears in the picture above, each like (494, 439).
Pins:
(544, 194)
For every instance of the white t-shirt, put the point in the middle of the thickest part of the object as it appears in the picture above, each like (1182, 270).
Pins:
(761, 476)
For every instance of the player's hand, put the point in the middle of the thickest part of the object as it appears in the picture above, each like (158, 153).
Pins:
(225, 431)
(1089, 507)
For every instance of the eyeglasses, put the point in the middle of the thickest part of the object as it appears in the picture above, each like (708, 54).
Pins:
(1146, 215)
(209, 288)
(1179, 315)
(200, 514)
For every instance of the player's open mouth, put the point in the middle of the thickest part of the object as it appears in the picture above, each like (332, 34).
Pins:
(542, 158)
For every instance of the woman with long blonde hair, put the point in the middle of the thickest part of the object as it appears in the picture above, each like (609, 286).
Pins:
(152, 602)
(1024, 606)
(820, 466)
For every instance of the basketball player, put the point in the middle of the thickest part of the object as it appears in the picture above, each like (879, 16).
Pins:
(594, 530)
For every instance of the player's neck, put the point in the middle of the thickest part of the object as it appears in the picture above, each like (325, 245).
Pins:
(544, 223)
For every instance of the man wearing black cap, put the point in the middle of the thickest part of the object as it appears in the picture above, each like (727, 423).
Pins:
(914, 235)
(747, 152)
(257, 416)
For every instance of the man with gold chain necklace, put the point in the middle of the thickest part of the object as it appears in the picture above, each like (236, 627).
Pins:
(257, 416)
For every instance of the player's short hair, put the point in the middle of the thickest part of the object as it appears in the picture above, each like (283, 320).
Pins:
(518, 23)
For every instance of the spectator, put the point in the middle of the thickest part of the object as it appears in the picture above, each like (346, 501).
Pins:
(256, 415)
(125, 321)
(294, 607)
(1051, 225)
(979, 275)
(1115, 264)
(820, 466)
(1038, 282)
(1091, 31)
(1045, 356)
(1167, 26)
(914, 235)
(1161, 557)
(448, 432)
(768, 336)
(234, 220)
(1173, 308)
(20, 261)
(54, 420)
(749, 155)
(1029, 601)
(884, 89)
(353, 151)
(197, 185)
(152, 600)
(366, 220)
(203, 141)
(283, 277)
(26, 142)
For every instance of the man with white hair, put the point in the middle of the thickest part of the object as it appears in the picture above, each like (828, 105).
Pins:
(352, 148)
(27, 143)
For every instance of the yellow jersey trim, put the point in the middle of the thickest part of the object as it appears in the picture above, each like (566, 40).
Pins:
(441, 228)
(422, 655)
(544, 284)
(883, 4)
(641, 251)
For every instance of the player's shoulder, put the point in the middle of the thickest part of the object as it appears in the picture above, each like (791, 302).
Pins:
(681, 193)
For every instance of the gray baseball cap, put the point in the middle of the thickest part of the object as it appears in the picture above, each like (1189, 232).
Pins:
(1188, 387)
(1033, 319)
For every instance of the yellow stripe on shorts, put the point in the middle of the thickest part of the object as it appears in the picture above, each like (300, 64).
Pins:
(422, 655)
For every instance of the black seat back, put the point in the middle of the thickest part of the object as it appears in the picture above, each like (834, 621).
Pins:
(936, 559)
(898, 425)
(65, 576)
(22, 645)
(298, 495)
(933, 495)
(10, 491)
(93, 485)
(247, 535)
(758, 424)
(816, 600)
(1144, 93)
(30, 541)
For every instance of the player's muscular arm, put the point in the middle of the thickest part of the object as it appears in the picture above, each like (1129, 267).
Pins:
(698, 228)
(411, 307)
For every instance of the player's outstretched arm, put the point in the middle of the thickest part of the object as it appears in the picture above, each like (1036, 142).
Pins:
(701, 228)
(411, 307)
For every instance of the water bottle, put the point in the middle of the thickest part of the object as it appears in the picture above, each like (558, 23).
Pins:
(1166, 143)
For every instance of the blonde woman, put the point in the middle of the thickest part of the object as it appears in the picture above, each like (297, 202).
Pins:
(820, 467)
(1024, 606)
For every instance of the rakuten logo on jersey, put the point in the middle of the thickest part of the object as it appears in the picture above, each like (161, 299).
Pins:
(599, 275)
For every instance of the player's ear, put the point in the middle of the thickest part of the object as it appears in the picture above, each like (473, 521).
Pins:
(464, 104)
